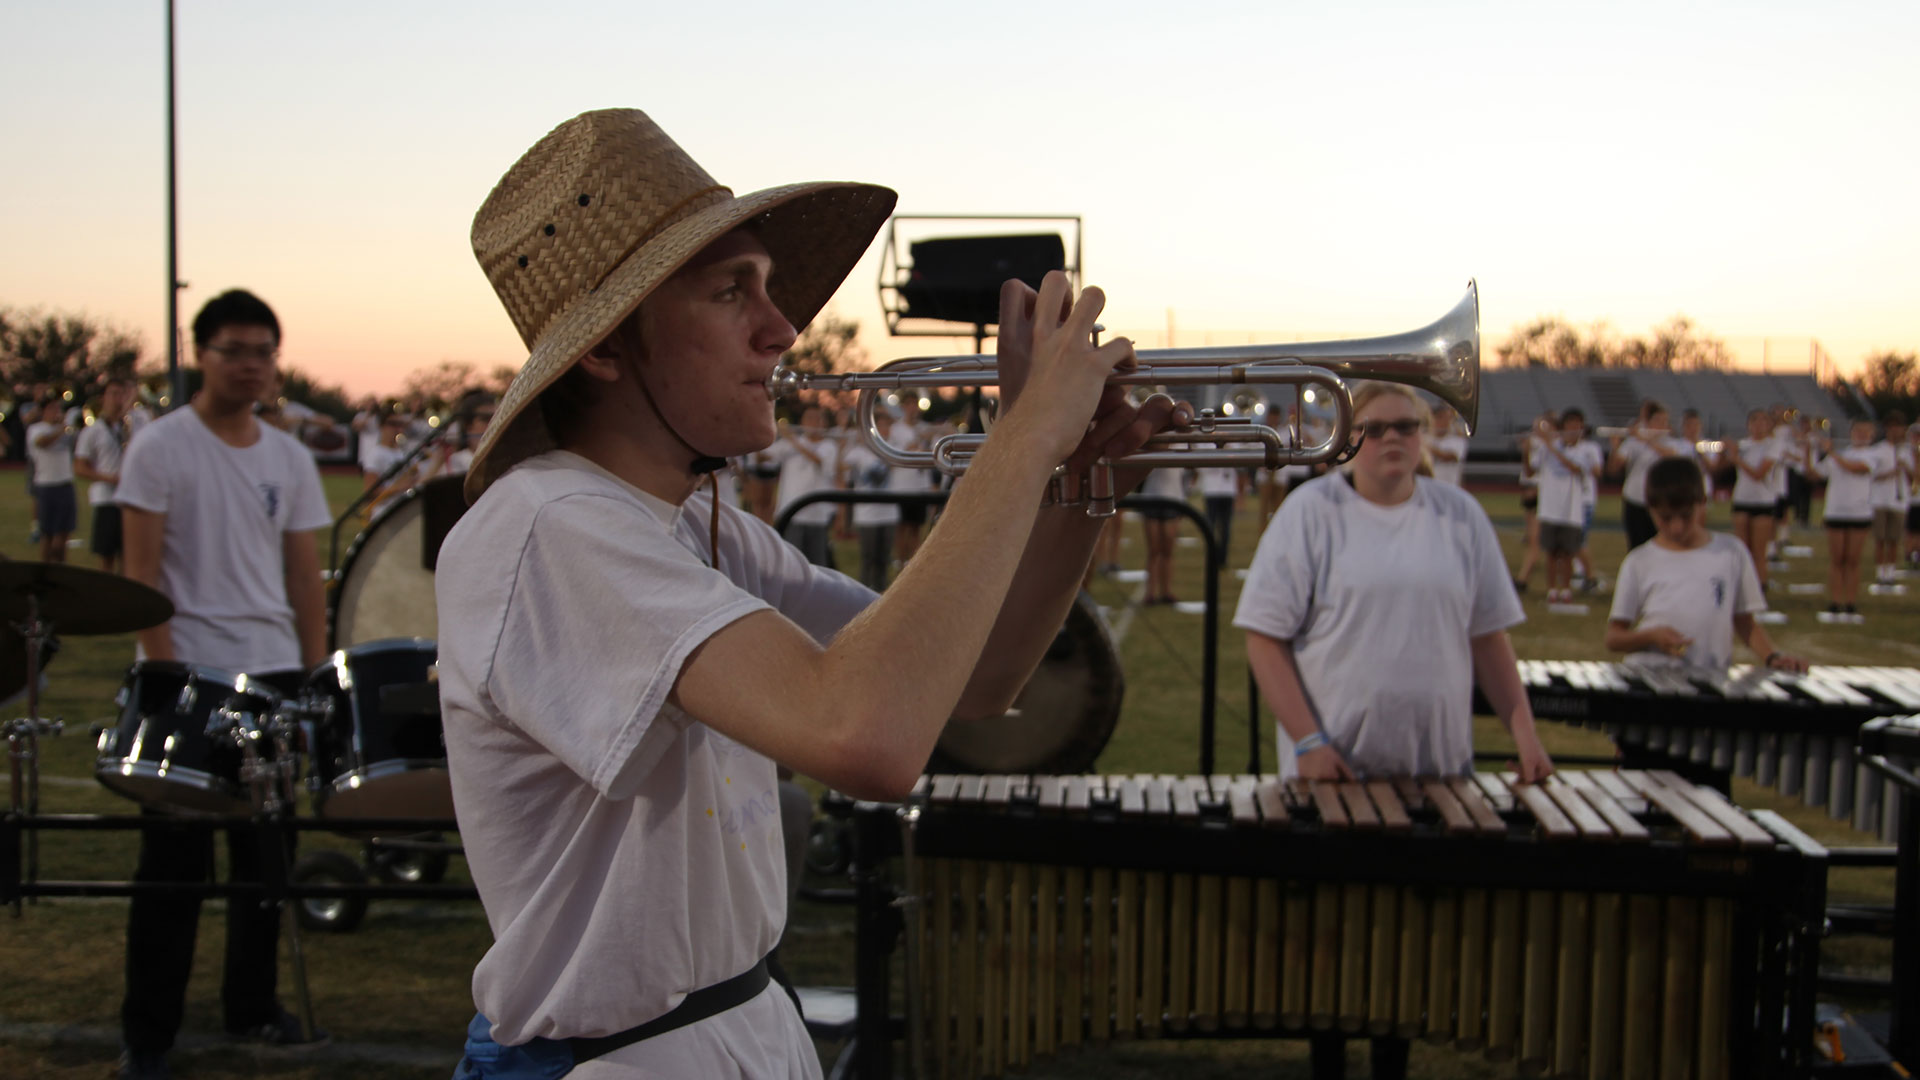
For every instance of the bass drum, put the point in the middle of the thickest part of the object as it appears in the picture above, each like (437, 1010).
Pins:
(384, 588)
(1061, 721)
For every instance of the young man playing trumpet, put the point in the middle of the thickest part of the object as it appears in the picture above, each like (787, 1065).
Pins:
(623, 661)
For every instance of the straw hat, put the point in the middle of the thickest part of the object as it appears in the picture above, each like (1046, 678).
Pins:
(604, 209)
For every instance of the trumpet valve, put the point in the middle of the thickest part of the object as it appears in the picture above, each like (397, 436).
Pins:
(1099, 490)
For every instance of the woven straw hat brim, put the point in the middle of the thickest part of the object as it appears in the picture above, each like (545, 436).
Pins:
(815, 233)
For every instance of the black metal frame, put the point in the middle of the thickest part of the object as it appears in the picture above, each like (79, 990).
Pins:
(1781, 893)
(1879, 742)
(275, 834)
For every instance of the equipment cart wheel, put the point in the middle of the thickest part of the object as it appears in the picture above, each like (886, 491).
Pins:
(329, 914)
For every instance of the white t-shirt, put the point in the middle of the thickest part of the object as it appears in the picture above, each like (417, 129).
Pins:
(1886, 493)
(625, 852)
(1641, 455)
(459, 462)
(376, 461)
(367, 425)
(101, 445)
(1166, 484)
(1531, 454)
(52, 463)
(1753, 454)
(1222, 482)
(1449, 472)
(1380, 603)
(1849, 494)
(1903, 480)
(866, 472)
(222, 561)
(1696, 592)
(901, 436)
(1563, 492)
(801, 476)
(1792, 452)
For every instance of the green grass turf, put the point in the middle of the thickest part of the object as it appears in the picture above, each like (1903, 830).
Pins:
(401, 980)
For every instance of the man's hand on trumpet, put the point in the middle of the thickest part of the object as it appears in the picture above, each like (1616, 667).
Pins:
(1046, 347)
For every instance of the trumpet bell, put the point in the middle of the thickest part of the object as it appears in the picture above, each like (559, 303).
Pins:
(1442, 358)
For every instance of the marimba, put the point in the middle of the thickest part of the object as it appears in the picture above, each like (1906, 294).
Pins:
(1602, 924)
(1794, 733)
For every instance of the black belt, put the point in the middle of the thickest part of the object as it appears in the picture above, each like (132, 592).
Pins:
(697, 1006)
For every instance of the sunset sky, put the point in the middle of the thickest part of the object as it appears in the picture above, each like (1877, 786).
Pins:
(1271, 168)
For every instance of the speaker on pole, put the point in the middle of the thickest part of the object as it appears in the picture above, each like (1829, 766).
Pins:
(958, 279)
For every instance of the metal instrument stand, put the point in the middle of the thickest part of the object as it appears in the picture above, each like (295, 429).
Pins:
(1903, 1028)
(271, 781)
(23, 738)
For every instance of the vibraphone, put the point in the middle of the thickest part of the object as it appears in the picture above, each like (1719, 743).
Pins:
(1600, 925)
(1792, 733)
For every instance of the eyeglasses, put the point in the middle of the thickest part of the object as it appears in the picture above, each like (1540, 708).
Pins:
(1376, 429)
(246, 352)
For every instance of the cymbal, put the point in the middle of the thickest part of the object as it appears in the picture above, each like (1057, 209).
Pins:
(80, 601)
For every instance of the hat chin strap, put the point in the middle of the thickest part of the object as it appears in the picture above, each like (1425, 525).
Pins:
(701, 465)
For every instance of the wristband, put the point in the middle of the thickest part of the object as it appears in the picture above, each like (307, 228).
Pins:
(1309, 744)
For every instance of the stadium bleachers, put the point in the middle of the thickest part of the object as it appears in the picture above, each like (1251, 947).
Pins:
(1512, 397)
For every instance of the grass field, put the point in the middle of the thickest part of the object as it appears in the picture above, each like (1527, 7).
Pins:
(395, 992)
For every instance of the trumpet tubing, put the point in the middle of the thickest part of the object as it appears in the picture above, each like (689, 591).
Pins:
(1442, 358)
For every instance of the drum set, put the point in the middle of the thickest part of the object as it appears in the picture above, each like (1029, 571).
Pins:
(355, 742)
(360, 733)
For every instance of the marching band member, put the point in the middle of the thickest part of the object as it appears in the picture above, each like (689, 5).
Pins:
(1889, 497)
(1568, 464)
(1848, 515)
(1532, 454)
(1689, 593)
(623, 659)
(1756, 500)
(1648, 440)
(1374, 600)
(809, 460)
(1447, 447)
(220, 513)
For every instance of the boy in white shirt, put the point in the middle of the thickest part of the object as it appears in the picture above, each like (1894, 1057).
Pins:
(50, 449)
(623, 658)
(1685, 596)
(1567, 464)
(96, 457)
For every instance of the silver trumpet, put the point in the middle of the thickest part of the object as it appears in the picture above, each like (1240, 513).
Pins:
(1442, 358)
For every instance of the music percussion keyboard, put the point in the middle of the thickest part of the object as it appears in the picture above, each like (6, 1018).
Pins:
(1793, 733)
(1600, 924)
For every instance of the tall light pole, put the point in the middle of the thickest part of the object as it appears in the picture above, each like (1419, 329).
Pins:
(176, 378)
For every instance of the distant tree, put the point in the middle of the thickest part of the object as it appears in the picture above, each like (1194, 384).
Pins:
(828, 344)
(74, 350)
(1891, 380)
(444, 382)
(298, 386)
(1677, 346)
(1552, 342)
